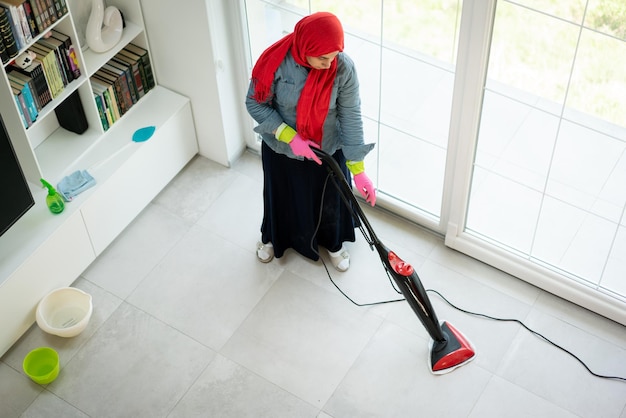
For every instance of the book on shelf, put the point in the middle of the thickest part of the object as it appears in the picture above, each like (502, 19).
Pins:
(133, 65)
(4, 56)
(21, 104)
(57, 8)
(70, 53)
(25, 79)
(103, 103)
(14, 21)
(42, 14)
(4, 22)
(50, 69)
(121, 84)
(21, 107)
(112, 100)
(35, 71)
(143, 55)
(38, 16)
(21, 13)
(126, 73)
(51, 12)
(42, 58)
(20, 111)
(26, 104)
(54, 65)
(134, 59)
(67, 76)
(30, 17)
(61, 7)
(53, 61)
(19, 17)
(98, 96)
(6, 30)
(73, 59)
(29, 101)
(62, 59)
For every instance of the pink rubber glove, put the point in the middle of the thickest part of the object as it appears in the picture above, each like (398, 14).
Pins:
(302, 148)
(365, 186)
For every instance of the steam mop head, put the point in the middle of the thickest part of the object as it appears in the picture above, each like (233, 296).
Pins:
(451, 353)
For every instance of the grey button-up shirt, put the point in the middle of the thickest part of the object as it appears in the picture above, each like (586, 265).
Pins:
(343, 127)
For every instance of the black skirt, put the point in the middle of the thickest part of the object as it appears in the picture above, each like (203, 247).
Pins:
(294, 193)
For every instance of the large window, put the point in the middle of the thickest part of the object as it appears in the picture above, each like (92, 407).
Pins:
(549, 177)
(500, 124)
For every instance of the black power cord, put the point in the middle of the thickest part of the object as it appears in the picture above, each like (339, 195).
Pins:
(370, 242)
(367, 238)
(478, 315)
(529, 330)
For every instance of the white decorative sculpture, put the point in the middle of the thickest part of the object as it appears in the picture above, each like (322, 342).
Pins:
(104, 27)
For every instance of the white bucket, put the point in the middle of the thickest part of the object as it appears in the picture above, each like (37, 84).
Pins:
(64, 312)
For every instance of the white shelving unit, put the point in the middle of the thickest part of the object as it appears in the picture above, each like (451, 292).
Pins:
(45, 147)
(43, 251)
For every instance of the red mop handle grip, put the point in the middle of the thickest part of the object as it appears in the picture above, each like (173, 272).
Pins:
(399, 266)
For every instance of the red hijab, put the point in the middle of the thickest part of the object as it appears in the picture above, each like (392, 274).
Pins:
(314, 35)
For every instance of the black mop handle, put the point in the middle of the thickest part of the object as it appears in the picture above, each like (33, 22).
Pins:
(333, 167)
(407, 278)
(450, 348)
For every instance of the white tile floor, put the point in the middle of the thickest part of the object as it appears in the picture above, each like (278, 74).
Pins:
(187, 323)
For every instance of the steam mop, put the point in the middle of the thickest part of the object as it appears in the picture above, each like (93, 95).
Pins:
(449, 349)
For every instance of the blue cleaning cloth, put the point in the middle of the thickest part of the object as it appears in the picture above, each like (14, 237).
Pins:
(75, 183)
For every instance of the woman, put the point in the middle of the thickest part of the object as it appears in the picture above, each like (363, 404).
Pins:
(304, 93)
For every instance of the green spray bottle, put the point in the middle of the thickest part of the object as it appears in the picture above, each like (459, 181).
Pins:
(54, 199)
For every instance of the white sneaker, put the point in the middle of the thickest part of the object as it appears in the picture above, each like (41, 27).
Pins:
(265, 252)
(340, 259)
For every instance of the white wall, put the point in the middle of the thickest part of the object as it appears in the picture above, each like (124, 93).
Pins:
(198, 51)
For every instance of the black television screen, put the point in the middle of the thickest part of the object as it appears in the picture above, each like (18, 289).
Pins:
(17, 198)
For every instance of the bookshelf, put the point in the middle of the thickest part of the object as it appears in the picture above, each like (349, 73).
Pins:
(42, 251)
(45, 135)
